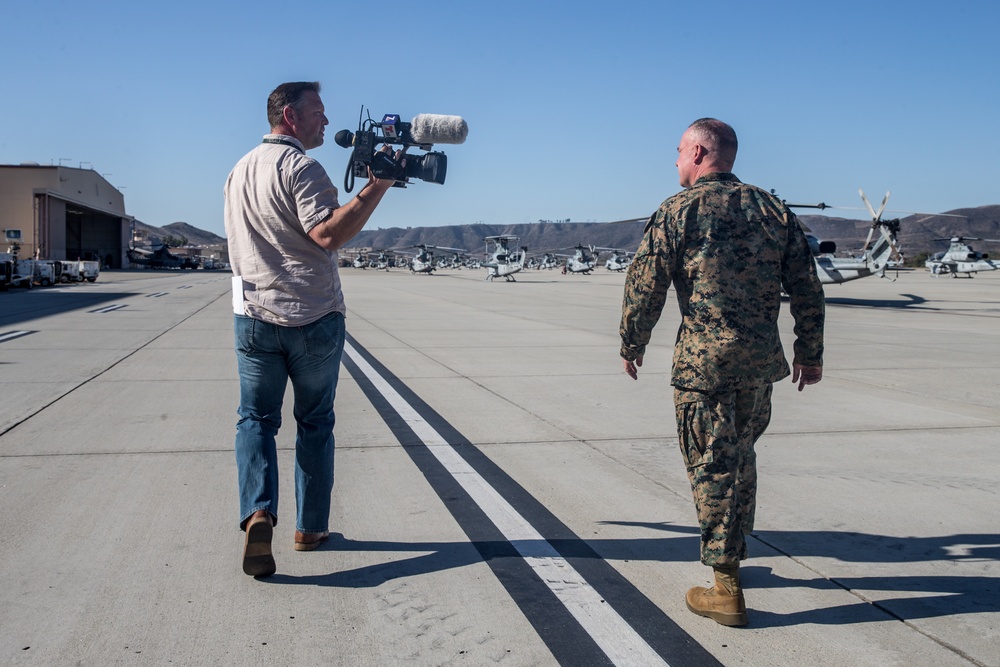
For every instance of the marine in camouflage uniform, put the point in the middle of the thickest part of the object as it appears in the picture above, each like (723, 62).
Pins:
(727, 248)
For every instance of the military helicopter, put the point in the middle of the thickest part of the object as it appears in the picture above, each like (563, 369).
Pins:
(874, 257)
(423, 261)
(960, 258)
(454, 262)
(619, 260)
(457, 261)
(548, 261)
(502, 261)
(360, 261)
(382, 262)
(580, 261)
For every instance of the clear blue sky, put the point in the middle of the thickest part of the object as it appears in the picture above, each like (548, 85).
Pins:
(574, 109)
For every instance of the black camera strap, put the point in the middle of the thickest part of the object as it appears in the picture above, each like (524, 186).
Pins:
(271, 140)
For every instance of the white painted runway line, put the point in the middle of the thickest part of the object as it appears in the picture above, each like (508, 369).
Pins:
(619, 641)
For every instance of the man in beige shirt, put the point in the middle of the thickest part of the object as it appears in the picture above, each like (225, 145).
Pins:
(284, 225)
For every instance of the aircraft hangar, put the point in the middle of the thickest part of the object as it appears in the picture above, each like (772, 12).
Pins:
(63, 212)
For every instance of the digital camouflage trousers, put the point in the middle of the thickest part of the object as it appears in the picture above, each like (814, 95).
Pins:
(717, 433)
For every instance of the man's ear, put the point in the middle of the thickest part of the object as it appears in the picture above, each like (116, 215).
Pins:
(699, 153)
(288, 115)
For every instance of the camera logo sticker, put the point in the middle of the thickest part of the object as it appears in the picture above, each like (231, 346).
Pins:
(389, 123)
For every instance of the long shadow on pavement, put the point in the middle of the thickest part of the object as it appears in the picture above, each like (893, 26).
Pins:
(925, 596)
(38, 304)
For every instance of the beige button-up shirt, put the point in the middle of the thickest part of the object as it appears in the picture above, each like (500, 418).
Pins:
(274, 195)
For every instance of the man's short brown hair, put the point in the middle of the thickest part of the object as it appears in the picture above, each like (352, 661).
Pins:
(287, 94)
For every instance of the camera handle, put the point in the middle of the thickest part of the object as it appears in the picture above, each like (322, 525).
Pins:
(349, 177)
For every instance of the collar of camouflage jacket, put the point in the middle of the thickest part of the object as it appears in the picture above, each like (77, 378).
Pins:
(718, 176)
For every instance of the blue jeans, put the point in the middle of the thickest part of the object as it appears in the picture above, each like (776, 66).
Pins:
(268, 356)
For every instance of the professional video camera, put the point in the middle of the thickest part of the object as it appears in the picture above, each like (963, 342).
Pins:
(423, 132)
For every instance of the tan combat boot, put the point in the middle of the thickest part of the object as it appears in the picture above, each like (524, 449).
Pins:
(724, 602)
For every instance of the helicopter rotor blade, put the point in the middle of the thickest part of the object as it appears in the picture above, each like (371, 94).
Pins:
(876, 215)
(881, 209)
(821, 206)
(868, 241)
(868, 205)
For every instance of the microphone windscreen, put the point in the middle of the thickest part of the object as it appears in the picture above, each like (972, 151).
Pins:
(344, 138)
(431, 128)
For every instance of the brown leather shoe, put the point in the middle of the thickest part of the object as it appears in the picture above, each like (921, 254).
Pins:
(309, 541)
(724, 602)
(258, 561)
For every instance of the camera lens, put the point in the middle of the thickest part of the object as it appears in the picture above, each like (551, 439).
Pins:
(431, 167)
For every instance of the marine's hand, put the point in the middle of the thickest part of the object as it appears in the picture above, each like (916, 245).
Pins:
(806, 375)
(632, 367)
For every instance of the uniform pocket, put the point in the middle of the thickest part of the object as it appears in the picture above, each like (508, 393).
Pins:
(695, 432)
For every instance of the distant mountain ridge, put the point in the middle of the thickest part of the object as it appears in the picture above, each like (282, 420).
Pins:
(194, 236)
(917, 233)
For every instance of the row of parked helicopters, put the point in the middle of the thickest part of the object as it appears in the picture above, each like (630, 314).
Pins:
(505, 258)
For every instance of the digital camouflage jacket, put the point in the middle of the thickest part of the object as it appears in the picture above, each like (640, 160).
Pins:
(728, 248)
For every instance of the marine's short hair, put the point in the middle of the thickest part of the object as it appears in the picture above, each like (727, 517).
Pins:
(716, 136)
(287, 94)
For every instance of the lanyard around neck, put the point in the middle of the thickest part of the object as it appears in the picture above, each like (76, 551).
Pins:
(269, 140)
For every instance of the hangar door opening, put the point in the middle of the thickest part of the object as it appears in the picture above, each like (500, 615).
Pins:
(93, 236)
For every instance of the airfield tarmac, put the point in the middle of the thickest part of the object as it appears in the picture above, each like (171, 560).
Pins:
(505, 494)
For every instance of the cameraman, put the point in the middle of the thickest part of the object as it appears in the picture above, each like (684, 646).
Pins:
(284, 225)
